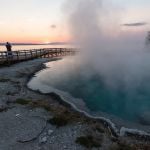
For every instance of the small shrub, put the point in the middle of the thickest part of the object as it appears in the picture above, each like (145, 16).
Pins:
(3, 109)
(11, 93)
(22, 101)
(4, 80)
(59, 120)
(89, 141)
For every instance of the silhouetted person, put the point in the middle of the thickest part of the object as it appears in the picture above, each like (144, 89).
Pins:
(8, 46)
(9, 51)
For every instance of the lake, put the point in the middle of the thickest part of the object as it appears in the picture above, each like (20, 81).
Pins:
(83, 86)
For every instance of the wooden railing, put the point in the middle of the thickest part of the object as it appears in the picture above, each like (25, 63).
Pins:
(22, 55)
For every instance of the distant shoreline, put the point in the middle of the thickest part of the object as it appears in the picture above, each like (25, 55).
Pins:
(26, 44)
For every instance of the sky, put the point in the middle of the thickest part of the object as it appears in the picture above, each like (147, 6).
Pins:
(43, 21)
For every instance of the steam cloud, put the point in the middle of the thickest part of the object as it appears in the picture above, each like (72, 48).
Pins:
(121, 59)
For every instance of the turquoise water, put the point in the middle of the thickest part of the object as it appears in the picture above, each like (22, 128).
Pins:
(83, 81)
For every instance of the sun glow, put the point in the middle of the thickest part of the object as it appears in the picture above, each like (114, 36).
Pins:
(46, 42)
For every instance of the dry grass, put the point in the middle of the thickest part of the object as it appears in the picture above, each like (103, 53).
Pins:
(41, 104)
(62, 116)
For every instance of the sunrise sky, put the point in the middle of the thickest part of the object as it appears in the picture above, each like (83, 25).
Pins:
(42, 21)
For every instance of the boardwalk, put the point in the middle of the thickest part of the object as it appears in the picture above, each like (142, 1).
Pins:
(23, 55)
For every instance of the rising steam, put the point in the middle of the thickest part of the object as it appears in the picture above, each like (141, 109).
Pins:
(120, 57)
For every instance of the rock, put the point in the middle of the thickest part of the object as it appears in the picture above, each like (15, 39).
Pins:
(65, 147)
(17, 115)
(43, 140)
(3, 108)
(50, 132)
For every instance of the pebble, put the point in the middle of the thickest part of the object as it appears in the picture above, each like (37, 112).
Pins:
(43, 140)
(39, 148)
(50, 132)
(65, 147)
(17, 115)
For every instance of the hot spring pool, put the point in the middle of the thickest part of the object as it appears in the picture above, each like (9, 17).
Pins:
(83, 82)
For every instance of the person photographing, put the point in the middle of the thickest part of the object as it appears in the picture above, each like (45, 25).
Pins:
(9, 49)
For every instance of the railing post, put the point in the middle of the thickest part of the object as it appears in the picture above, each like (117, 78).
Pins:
(17, 52)
(36, 53)
(43, 53)
(31, 53)
(6, 57)
(25, 55)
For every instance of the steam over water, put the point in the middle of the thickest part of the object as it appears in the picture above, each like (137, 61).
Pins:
(121, 58)
(112, 72)
(83, 82)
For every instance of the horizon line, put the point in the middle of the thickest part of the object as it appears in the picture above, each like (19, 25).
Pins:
(28, 43)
